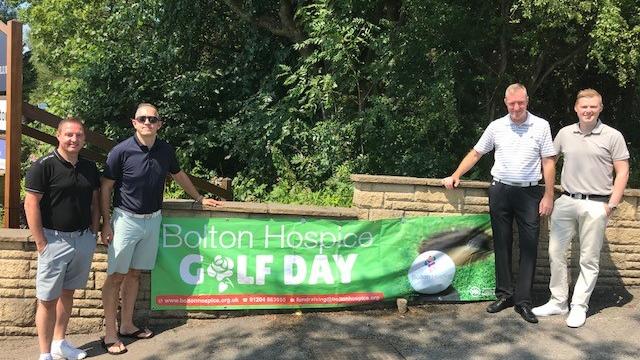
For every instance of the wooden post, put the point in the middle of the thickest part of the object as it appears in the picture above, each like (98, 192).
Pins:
(225, 183)
(11, 218)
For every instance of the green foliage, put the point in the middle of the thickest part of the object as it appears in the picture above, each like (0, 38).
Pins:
(336, 191)
(287, 96)
(7, 12)
(616, 42)
(173, 191)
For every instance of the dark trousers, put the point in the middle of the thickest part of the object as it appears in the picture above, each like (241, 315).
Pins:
(507, 203)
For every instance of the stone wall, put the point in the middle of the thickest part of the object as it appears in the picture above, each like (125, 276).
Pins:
(18, 259)
(378, 197)
(375, 197)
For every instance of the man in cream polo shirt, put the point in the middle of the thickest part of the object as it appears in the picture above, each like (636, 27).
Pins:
(522, 143)
(592, 151)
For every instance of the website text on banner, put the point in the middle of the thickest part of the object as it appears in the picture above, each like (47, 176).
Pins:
(267, 264)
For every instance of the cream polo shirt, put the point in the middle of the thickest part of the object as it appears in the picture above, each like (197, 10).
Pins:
(519, 149)
(589, 157)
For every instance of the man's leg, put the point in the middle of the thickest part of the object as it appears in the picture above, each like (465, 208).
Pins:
(45, 323)
(76, 276)
(129, 291)
(562, 228)
(126, 234)
(60, 347)
(52, 267)
(526, 202)
(144, 258)
(110, 296)
(502, 226)
(592, 225)
(63, 312)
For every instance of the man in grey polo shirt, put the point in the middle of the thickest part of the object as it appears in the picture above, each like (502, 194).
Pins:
(592, 151)
(522, 143)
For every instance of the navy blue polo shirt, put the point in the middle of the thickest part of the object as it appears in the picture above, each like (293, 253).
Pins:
(67, 191)
(140, 173)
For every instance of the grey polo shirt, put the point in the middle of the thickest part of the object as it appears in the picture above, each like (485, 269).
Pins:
(589, 157)
(519, 148)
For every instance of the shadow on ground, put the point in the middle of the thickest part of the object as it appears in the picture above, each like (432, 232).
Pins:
(430, 331)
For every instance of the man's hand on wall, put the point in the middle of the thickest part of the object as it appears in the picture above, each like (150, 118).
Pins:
(451, 182)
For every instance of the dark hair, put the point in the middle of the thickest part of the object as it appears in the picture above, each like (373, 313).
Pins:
(70, 119)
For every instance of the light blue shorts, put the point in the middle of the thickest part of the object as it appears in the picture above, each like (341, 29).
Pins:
(64, 262)
(135, 241)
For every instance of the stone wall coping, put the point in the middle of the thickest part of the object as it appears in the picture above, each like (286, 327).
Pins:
(405, 180)
(264, 208)
(231, 207)
(17, 235)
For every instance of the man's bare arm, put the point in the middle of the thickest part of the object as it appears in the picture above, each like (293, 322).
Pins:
(95, 211)
(183, 180)
(465, 165)
(549, 175)
(34, 218)
(621, 168)
(106, 188)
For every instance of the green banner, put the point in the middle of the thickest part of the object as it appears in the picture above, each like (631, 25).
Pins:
(218, 263)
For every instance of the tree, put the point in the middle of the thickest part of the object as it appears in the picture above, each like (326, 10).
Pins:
(293, 92)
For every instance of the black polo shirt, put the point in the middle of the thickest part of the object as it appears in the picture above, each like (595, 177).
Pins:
(67, 191)
(140, 173)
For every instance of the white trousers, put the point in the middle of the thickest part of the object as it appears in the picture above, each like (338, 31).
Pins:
(588, 220)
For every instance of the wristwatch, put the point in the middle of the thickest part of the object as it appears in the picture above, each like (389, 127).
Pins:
(199, 199)
(612, 207)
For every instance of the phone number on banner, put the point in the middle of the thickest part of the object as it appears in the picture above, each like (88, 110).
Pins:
(259, 299)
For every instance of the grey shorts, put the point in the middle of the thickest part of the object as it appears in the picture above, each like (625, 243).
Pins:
(64, 263)
(135, 241)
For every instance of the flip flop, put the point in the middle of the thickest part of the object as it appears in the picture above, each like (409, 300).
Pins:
(106, 347)
(136, 334)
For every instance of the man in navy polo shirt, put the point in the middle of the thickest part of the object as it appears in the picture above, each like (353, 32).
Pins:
(135, 172)
(61, 205)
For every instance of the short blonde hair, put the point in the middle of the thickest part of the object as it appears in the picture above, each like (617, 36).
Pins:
(589, 93)
(513, 87)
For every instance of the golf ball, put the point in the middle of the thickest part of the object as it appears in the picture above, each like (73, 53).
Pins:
(431, 272)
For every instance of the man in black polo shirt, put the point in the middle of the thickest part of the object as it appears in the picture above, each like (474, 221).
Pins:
(135, 172)
(61, 204)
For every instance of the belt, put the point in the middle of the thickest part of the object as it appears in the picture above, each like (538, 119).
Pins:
(77, 233)
(602, 198)
(138, 216)
(519, 184)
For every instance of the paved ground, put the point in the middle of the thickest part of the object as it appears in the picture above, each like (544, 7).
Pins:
(443, 331)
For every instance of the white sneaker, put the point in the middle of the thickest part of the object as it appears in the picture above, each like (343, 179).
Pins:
(549, 309)
(64, 350)
(577, 317)
(46, 356)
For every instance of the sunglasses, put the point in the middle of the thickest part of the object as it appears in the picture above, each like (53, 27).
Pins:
(143, 119)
